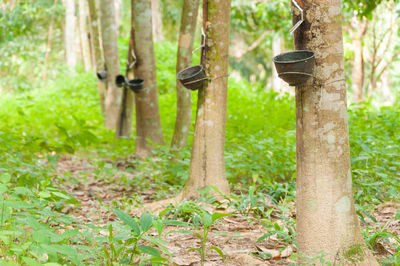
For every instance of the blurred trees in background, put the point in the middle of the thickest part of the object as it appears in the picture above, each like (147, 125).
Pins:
(259, 28)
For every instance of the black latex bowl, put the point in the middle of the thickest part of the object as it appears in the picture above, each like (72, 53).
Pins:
(102, 75)
(136, 85)
(192, 78)
(121, 81)
(295, 67)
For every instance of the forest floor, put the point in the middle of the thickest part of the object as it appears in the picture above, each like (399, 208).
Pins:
(236, 236)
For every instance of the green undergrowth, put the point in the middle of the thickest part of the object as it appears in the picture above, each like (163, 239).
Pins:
(41, 125)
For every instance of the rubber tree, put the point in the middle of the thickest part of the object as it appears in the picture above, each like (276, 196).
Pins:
(184, 59)
(97, 51)
(125, 124)
(148, 124)
(69, 36)
(358, 68)
(326, 217)
(207, 160)
(110, 48)
(157, 20)
(83, 35)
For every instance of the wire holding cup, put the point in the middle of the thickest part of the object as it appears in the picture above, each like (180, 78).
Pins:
(302, 17)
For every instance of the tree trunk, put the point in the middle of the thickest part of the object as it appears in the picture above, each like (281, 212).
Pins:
(83, 30)
(125, 124)
(118, 13)
(358, 71)
(49, 40)
(70, 51)
(97, 52)
(148, 124)
(185, 47)
(110, 48)
(385, 89)
(276, 49)
(157, 21)
(326, 217)
(207, 163)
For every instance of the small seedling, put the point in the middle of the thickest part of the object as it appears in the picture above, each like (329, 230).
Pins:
(206, 220)
(138, 231)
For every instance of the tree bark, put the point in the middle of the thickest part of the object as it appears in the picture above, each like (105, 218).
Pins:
(184, 60)
(125, 125)
(148, 124)
(157, 21)
(97, 51)
(110, 48)
(83, 30)
(207, 163)
(326, 217)
(70, 24)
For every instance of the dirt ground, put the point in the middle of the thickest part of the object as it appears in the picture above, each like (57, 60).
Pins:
(235, 236)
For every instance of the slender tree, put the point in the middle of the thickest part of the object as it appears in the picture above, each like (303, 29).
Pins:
(358, 69)
(207, 162)
(110, 48)
(83, 30)
(125, 124)
(185, 47)
(326, 217)
(157, 21)
(49, 41)
(148, 124)
(69, 36)
(97, 51)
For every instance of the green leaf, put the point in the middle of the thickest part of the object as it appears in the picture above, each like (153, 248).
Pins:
(30, 261)
(3, 188)
(149, 250)
(219, 215)
(23, 191)
(194, 249)
(206, 219)
(5, 178)
(127, 219)
(44, 194)
(397, 217)
(159, 225)
(177, 223)
(263, 237)
(146, 221)
(61, 195)
(180, 232)
(219, 252)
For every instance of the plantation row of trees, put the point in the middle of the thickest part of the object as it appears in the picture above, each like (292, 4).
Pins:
(326, 217)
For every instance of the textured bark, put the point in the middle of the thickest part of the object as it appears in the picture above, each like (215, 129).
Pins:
(184, 96)
(157, 21)
(125, 124)
(207, 163)
(83, 30)
(148, 124)
(326, 217)
(97, 51)
(70, 25)
(110, 48)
